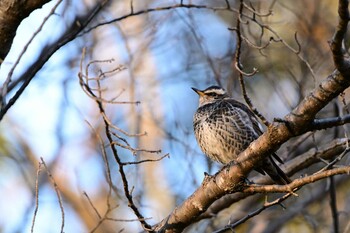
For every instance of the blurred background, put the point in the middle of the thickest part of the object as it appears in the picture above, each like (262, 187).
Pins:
(165, 53)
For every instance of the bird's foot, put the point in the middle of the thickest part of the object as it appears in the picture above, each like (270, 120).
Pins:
(247, 182)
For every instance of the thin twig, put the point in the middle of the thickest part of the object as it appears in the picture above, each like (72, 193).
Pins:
(147, 160)
(297, 183)
(92, 205)
(337, 159)
(108, 131)
(266, 205)
(333, 204)
(36, 197)
(239, 68)
(135, 150)
(157, 9)
(58, 194)
(106, 163)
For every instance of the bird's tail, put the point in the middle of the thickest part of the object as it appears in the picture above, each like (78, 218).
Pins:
(275, 172)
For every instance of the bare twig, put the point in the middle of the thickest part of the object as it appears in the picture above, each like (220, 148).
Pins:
(275, 38)
(314, 195)
(135, 150)
(92, 205)
(337, 159)
(297, 183)
(157, 9)
(266, 205)
(146, 160)
(108, 131)
(239, 68)
(106, 163)
(36, 197)
(58, 194)
(333, 205)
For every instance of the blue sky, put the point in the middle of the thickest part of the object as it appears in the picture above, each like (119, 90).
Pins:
(36, 116)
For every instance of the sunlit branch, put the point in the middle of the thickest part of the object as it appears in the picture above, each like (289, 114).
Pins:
(297, 183)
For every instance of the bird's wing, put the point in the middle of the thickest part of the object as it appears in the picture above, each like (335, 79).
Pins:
(234, 123)
(254, 122)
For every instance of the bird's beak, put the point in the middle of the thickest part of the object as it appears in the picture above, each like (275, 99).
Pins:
(199, 92)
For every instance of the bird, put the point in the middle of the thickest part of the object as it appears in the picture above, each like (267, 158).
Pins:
(224, 127)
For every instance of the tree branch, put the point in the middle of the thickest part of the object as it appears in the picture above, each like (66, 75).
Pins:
(84, 82)
(278, 201)
(4, 89)
(229, 179)
(340, 62)
(319, 124)
(75, 28)
(326, 152)
(157, 9)
(296, 183)
(12, 12)
(315, 194)
(333, 204)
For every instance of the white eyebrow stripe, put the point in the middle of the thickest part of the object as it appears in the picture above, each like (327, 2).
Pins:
(216, 91)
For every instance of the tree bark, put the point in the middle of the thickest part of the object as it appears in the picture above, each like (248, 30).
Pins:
(12, 12)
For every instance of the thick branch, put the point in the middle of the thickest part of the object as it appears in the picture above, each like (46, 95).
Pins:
(326, 152)
(296, 123)
(340, 62)
(76, 27)
(318, 124)
(12, 12)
